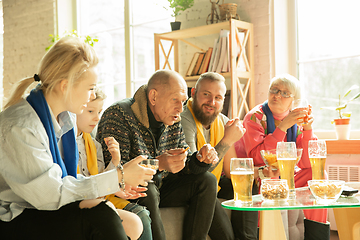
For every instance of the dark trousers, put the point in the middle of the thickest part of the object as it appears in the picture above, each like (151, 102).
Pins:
(197, 192)
(69, 222)
(221, 226)
(244, 223)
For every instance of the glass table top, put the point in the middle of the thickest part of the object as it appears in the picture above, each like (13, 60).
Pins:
(304, 200)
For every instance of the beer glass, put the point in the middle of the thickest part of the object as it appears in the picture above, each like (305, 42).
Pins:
(242, 178)
(150, 163)
(286, 155)
(317, 156)
(301, 103)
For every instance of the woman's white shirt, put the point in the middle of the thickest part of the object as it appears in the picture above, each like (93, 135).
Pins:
(28, 176)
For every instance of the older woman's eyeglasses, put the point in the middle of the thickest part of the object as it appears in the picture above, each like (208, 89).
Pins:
(284, 94)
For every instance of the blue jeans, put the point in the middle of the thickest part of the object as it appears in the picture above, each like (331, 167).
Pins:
(145, 219)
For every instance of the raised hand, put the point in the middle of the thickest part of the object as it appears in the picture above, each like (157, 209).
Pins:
(207, 154)
(233, 131)
(295, 116)
(113, 147)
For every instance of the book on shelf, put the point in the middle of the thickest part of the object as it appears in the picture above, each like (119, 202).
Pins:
(226, 65)
(224, 35)
(214, 50)
(192, 64)
(205, 65)
(198, 63)
(217, 54)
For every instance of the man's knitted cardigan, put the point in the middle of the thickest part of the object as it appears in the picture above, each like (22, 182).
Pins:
(127, 121)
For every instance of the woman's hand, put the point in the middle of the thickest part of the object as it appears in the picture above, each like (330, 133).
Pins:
(134, 174)
(310, 120)
(131, 192)
(295, 116)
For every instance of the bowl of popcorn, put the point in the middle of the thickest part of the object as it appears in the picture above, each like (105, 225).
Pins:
(326, 191)
(274, 189)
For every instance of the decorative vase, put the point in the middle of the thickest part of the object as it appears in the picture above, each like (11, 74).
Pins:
(175, 26)
(342, 127)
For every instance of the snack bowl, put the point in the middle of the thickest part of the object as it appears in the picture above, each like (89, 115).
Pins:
(274, 189)
(326, 191)
(269, 157)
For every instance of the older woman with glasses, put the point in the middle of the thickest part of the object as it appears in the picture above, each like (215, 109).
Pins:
(274, 121)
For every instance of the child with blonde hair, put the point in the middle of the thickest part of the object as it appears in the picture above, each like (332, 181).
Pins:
(91, 162)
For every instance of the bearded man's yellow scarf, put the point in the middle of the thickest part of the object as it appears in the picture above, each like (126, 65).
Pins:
(92, 166)
(216, 134)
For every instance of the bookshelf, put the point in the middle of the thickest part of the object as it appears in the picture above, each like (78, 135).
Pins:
(242, 99)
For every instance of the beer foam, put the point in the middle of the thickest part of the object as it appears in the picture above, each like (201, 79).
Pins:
(241, 172)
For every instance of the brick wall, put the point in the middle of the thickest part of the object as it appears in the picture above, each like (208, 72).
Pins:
(256, 12)
(27, 25)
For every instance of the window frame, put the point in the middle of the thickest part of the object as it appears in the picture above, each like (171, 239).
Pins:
(284, 51)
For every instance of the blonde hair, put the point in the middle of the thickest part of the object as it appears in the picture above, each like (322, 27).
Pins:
(212, 76)
(99, 94)
(67, 59)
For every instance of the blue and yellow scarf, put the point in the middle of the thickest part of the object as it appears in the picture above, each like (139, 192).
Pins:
(68, 165)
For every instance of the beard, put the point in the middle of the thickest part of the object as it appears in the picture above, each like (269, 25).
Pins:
(203, 118)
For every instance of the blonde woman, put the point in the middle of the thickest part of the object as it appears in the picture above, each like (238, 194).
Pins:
(41, 195)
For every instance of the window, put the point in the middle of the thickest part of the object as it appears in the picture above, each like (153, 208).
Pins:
(329, 56)
(1, 55)
(105, 20)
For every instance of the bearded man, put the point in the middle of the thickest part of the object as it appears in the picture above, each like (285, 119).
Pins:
(203, 123)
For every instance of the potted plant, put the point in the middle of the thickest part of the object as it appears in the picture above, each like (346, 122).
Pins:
(177, 6)
(342, 123)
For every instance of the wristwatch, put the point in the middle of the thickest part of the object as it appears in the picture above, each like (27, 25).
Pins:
(260, 173)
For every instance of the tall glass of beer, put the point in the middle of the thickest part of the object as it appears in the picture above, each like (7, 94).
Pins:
(317, 156)
(242, 178)
(286, 155)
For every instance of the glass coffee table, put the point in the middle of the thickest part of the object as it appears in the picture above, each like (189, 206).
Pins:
(346, 211)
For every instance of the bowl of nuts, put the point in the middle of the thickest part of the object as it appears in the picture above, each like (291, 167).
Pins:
(274, 189)
(326, 191)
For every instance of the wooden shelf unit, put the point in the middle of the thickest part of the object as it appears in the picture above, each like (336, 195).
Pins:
(236, 76)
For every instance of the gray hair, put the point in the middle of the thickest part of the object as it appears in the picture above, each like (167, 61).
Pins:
(290, 82)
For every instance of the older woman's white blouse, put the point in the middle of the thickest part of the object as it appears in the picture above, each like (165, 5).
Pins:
(28, 176)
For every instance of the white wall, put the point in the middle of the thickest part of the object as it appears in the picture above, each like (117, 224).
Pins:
(27, 25)
(256, 12)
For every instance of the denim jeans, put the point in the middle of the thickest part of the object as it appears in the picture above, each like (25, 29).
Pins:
(197, 192)
(145, 219)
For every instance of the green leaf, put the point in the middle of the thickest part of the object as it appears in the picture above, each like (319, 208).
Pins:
(347, 114)
(350, 89)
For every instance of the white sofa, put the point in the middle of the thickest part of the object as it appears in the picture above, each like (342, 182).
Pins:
(173, 223)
